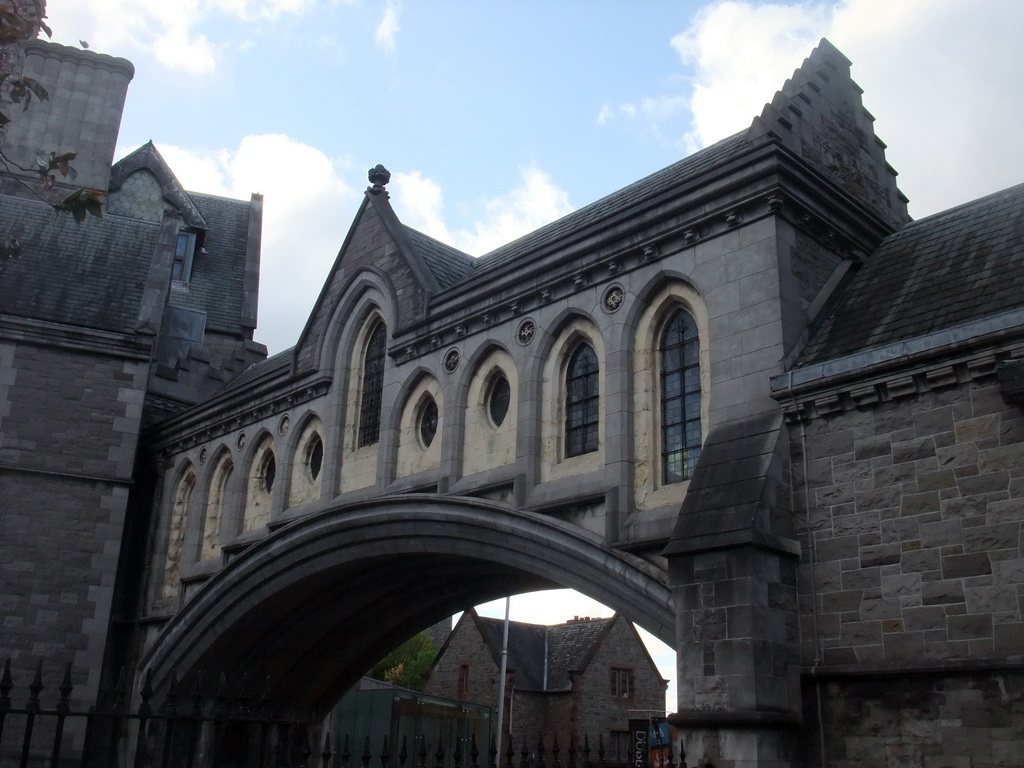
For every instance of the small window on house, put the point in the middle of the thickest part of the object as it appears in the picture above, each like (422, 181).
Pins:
(315, 456)
(428, 421)
(680, 398)
(373, 386)
(582, 402)
(621, 683)
(184, 252)
(268, 471)
(499, 395)
(463, 684)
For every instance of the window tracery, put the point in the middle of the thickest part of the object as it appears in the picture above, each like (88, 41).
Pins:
(582, 401)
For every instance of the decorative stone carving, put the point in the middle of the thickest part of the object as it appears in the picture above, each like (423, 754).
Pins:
(452, 358)
(649, 252)
(283, 424)
(613, 298)
(526, 332)
(240, 440)
(379, 176)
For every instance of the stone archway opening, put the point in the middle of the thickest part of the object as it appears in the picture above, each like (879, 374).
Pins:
(314, 605)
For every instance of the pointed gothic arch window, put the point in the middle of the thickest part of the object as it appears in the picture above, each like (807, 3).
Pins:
(373, 385)
(680, 397)
(176, 535)
(215, 507)
(582, 401)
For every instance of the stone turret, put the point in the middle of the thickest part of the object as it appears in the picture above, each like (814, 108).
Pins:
(83, 113)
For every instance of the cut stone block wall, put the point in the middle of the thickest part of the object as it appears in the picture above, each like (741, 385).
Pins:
(915, 508)
(69, 425)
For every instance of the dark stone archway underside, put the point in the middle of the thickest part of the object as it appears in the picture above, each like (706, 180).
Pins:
(315, 604)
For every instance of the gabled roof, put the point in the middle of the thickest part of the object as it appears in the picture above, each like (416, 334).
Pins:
(447, 264)
(148, 158)
(543, 657)
(90, 274)
(936, 273)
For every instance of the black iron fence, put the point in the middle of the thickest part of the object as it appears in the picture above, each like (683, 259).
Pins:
(199, 729)
(233, 729)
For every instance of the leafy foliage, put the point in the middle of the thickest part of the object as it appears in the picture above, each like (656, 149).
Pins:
(407, 665)
(20, 21)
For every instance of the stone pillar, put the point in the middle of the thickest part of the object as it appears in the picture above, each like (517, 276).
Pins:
(732, 565)
(737, 656)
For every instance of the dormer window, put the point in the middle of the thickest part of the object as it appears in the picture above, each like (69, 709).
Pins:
(184, 252)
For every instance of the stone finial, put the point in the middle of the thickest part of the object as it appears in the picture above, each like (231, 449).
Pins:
(378, 176)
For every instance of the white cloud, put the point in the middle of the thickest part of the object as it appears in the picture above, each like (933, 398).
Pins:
(534, 202)
(938, 75)
(307, 211)
(387, 30)
(418, 203)
(168, 30)
(742, 54)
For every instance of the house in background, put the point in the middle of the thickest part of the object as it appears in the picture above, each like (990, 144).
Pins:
(587, 677)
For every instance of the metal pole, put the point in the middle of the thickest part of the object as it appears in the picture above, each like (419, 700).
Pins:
(501, 681)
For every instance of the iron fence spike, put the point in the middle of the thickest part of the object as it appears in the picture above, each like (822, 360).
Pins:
(325, 756)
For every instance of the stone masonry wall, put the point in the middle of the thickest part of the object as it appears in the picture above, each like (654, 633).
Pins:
(916, 509)
(963, 721)
(68, 428)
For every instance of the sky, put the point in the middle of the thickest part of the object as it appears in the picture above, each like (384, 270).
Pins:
(498, 117)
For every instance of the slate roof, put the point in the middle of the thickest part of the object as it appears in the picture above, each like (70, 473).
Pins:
(448, 265)
(605, 210)
(956, 266)
(265, 369)
(451, 266)
(90, 274)
(563, 648)
(216, 286)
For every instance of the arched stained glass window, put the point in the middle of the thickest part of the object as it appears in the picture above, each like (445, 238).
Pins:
(373, 384)
(680, 398)
(582, 402)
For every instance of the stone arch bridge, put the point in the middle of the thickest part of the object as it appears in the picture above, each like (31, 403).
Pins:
(312, 606)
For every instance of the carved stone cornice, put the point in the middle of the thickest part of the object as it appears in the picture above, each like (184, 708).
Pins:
(824, 400)
(167, 440)
(564, 280)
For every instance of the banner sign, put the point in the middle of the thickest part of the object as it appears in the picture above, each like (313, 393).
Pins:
(650, 743)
